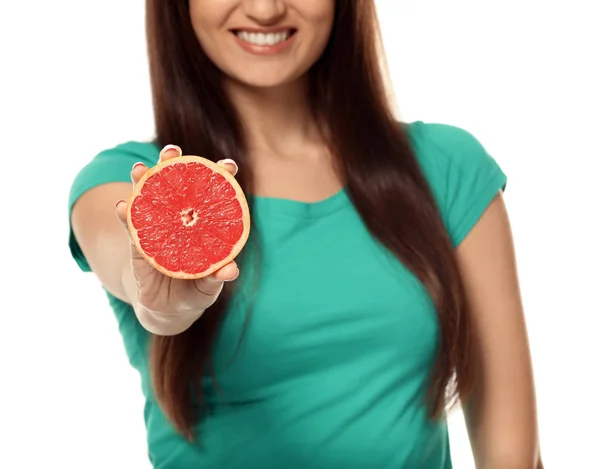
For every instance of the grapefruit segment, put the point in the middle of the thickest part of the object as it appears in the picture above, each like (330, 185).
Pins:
(188, 217)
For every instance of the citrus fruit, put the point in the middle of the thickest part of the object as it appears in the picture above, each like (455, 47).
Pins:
(188, 217)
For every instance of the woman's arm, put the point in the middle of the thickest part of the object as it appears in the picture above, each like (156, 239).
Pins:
(501, 414)
(105, 244)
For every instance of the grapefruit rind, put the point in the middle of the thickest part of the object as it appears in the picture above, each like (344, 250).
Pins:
(237, 247)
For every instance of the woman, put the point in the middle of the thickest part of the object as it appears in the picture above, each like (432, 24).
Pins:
(379, 282)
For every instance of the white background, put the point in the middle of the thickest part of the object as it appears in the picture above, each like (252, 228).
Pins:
(519, 75)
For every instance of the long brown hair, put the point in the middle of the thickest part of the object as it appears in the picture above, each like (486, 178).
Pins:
(374, 157)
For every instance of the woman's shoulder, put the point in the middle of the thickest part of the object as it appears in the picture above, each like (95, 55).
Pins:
(146, 149)
(443, 143)
(446, 149)
(463, 175)
(113, 164)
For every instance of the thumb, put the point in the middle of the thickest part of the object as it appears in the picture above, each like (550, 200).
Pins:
(121, 211)
(213, 284)
(141, 267)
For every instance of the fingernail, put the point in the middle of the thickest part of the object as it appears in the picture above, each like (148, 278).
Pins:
(137, 165)
(170, 147)
(119, 202)
(231, 162)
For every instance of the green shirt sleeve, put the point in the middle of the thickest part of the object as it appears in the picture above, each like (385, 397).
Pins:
(112, 165)
(464, 177)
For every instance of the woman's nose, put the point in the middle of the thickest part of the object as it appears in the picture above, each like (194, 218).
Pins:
(265, 12)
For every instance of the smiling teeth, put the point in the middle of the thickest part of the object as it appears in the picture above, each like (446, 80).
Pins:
(261, 39)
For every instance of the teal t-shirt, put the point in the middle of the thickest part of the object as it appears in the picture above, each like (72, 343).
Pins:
(337, 352)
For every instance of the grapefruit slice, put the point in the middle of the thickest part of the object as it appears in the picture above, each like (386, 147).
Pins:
(188, 217)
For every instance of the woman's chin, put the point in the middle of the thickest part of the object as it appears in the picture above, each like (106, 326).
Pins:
(265, 80)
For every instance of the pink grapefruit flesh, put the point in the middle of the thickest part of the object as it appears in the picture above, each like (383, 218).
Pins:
(188, 217)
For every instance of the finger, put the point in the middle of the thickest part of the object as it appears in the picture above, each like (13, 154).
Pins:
(137, 171)
(229, 165)
(227, 273)
(139, 168)
(170, 151)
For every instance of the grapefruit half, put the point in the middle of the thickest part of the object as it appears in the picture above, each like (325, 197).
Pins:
(188, 217)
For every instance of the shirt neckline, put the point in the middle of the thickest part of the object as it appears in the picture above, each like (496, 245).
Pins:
(298, 208)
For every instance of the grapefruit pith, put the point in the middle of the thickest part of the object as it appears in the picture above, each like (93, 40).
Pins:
(188, 217)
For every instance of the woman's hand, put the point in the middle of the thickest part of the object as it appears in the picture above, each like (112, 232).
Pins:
(168, 306)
